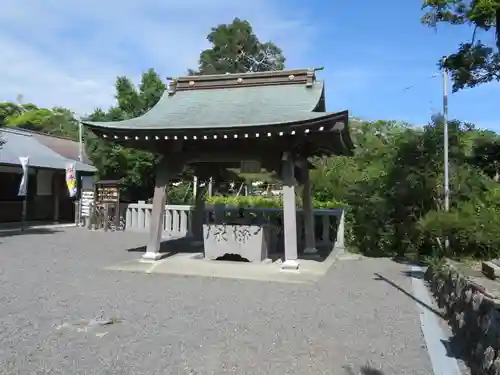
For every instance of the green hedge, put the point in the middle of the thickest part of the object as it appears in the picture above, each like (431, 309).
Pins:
(266, 202)
(472, 230)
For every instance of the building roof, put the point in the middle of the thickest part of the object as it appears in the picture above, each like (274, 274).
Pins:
(227, 108)
(219, 101)
(253, 107)
(19, 143)
(63, 146)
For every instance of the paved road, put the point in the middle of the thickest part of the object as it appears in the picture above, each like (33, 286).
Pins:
(50, 281)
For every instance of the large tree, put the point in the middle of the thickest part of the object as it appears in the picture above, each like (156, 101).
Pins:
(56, 121)
(236, 49)
(8, 109)
(135, 168)
(474, 62)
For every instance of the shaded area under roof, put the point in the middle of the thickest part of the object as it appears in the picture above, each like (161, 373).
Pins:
(227, 108)
(18, 144)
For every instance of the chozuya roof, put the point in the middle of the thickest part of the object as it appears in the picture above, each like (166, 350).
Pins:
(219, 105)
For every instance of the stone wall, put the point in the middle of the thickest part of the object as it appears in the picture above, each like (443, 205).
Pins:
(474, 316)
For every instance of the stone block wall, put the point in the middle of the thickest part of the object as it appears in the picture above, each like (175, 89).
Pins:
(474, 316)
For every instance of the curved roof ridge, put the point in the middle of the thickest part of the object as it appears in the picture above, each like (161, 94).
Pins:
(225, 107)
(233, 80)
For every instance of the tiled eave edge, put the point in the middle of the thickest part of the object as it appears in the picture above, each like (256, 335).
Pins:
(330, 123)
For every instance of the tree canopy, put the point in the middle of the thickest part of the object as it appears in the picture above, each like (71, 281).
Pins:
(474, 62)
(135, 168)
(393, 189)
(236, 49)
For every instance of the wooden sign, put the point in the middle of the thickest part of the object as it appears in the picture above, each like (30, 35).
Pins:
(107, 194)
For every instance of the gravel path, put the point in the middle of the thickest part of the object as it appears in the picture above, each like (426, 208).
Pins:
(164, 324)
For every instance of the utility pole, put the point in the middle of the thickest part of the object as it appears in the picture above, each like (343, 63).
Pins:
(80, 158)
(80, 139)
(446, 164)
(445, 125)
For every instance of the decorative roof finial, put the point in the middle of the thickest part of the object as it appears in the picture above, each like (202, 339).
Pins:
(172, 86)
(311, 77)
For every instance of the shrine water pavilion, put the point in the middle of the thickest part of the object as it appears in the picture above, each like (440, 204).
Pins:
(276, 120)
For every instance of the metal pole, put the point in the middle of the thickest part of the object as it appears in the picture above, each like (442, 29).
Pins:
(24, 212)
(80, 141)
(78, 205)
(446, 164)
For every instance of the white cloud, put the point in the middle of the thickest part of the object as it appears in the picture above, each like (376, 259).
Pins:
(47, 83)
(69, 53)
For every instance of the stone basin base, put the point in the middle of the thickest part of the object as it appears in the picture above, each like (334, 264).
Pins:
(248, 241)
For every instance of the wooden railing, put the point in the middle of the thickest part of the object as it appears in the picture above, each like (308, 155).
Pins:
(329, 224)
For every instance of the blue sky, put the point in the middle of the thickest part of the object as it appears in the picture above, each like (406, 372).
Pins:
(393, 51)
(68, 54)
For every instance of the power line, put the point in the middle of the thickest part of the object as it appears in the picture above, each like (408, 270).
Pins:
(422, 81)
(434, 75)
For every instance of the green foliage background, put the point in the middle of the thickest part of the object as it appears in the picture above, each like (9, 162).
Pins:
(391, 189)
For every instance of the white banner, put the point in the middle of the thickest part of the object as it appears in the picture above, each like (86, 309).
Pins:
(23, 186)
(71, 179)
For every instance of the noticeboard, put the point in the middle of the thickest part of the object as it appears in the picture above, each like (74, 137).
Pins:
(107, 194)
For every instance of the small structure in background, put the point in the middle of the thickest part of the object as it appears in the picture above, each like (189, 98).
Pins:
(87, 194)
(47, 197)
(104, 210)
(273, 120)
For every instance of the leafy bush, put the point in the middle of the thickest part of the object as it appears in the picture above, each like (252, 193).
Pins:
(472, 230)
(244, 201)
(393, 188)
(266, 202)
(180, 194)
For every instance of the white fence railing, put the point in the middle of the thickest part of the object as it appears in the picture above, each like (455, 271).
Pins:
(177, 222)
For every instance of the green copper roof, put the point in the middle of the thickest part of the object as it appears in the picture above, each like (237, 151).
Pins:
(227, 107)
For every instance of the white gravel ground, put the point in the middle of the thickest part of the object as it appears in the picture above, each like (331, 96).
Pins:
(50, 281)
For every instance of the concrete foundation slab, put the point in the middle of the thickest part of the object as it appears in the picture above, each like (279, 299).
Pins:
(131, 266)
(194, 264)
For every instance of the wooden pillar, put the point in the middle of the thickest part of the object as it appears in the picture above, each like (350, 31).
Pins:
(308, 210)
(158, 211)
(289, 213)
(164, 172)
